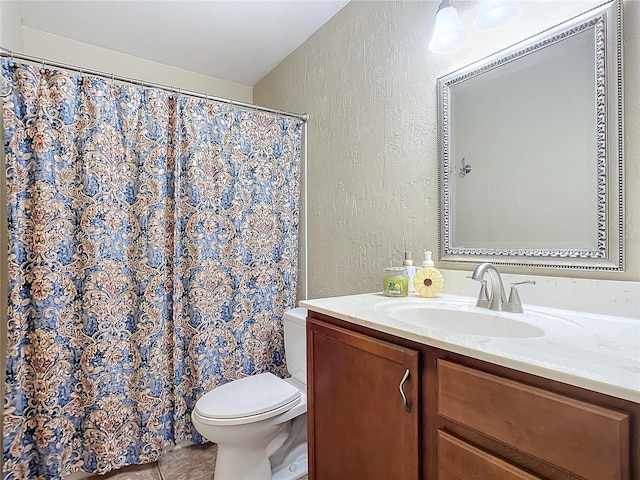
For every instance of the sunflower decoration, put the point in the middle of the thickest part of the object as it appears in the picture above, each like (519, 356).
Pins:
(428, 282)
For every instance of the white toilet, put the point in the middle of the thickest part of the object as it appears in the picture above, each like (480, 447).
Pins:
(260, 422)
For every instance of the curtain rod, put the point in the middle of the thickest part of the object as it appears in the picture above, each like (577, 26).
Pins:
(5, 53)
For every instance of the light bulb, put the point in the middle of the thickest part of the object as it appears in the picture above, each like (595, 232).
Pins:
(449, 33)
(494, 13)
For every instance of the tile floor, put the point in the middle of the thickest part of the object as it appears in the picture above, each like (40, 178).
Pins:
(195, 462)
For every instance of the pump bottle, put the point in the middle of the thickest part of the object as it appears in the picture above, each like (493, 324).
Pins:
(427, 262)
(411, 270)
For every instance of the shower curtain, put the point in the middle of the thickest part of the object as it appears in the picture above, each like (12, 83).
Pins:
(152, 253)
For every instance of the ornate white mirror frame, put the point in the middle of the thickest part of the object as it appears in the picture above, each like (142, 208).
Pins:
(601, 27)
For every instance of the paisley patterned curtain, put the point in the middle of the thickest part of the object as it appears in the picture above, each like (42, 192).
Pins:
(235, 245)
(152, 253)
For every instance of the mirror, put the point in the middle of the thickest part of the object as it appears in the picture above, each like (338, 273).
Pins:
(530, 146)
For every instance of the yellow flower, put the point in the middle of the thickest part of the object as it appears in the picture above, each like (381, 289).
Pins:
(428, 282)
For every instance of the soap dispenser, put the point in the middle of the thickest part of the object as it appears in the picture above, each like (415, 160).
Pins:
(428, 281)
(427, 262)
(411, 270)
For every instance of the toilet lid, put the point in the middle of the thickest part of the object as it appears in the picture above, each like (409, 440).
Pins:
(246, 397)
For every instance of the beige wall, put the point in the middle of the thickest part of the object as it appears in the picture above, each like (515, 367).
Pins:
(61, 49)
(10, 25)
(368, 81)
(15, 37)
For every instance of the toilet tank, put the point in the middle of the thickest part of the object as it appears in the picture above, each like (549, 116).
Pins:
(295, 342)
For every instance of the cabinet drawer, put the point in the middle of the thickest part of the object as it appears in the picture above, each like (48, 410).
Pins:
(458, 460)
(581, 438)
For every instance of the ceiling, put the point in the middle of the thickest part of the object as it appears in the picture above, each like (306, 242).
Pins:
(236, 40)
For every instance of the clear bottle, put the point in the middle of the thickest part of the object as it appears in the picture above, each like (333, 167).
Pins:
(411, 269)
(395, 282)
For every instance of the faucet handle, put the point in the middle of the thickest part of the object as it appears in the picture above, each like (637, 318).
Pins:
(514, 304)
(483, 295)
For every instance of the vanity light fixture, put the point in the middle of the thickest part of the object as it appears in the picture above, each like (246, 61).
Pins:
(494, 13)
(449, 33)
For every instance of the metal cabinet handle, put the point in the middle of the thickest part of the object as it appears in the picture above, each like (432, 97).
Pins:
(406, 405)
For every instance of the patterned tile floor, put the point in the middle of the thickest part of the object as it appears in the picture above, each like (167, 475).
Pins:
(196, 462)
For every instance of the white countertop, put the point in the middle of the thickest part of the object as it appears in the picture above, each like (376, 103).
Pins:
(602, 354)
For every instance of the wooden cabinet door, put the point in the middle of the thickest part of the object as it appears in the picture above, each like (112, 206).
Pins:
(359, 424)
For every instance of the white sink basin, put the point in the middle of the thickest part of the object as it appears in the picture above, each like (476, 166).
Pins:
(467, 319)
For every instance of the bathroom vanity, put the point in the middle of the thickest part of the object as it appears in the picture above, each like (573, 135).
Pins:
(393, 395)
(439, 389)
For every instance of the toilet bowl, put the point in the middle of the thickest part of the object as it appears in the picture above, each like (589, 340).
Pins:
(259, 422)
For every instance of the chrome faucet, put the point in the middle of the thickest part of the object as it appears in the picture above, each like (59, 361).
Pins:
(494, 298)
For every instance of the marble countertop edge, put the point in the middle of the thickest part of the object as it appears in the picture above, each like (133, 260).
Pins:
(617, 376)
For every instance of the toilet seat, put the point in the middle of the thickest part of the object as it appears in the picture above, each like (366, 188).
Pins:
(250, 399)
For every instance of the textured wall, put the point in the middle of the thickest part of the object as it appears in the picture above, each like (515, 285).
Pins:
(369, 83)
